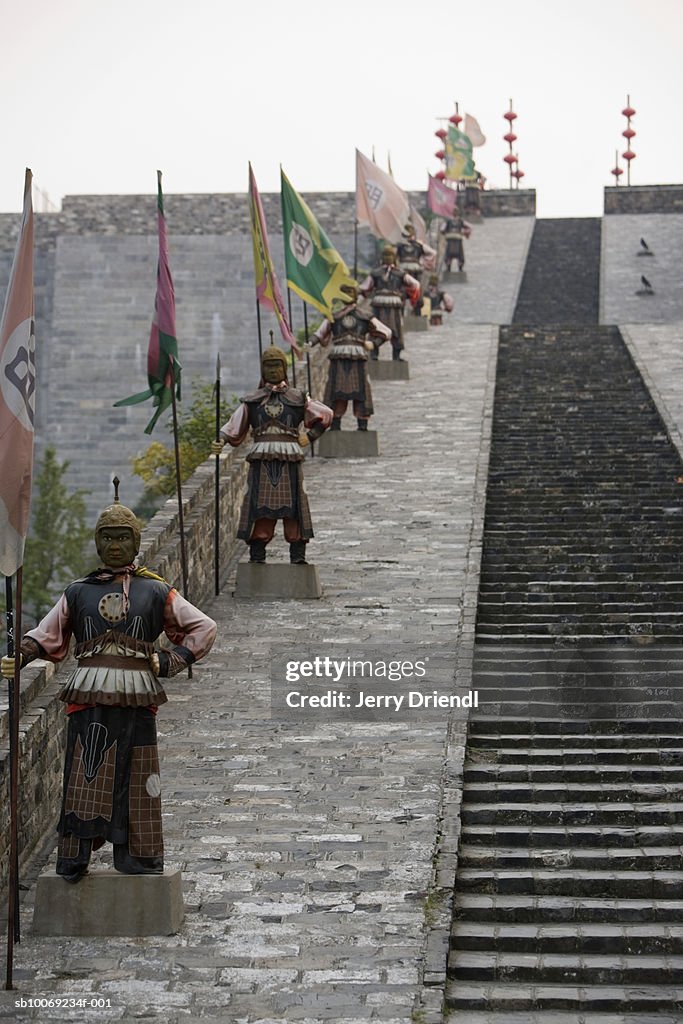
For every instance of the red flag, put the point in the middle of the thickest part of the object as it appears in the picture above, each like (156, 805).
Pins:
(441, 199)
(268, 292)
(17, 396)
(163, 368)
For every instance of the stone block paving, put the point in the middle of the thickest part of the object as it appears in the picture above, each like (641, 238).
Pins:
(306, 847)
(656, 350)
(622, 268)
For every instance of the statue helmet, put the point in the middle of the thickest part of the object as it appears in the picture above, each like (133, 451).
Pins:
(433, 278)
(389, 251)
(117, 515)
(273, 353)
(409, 230)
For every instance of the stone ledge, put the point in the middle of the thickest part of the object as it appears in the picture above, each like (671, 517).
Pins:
(414, 324)
(388, 369)
(109, 903)
(277, 582)
(348, 444)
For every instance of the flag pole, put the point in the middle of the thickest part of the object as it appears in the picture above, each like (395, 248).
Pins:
(179, 490)
(355, 249)
(258, 325)
(217, 510)
(14, 704)
(308, 364)
(291, 327)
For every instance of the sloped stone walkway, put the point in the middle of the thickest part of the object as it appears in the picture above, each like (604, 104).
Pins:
(306, 847)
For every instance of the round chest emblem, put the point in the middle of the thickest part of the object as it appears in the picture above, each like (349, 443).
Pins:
(111, 607)
(348, 322)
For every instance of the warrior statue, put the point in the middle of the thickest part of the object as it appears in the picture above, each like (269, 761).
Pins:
(455, 231)
(440, 301)
(414, 257)
(275, 412)
(111, 771)
(350, 332)
(388, 287)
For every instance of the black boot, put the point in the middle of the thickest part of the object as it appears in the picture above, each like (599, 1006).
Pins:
(297, 552)
(257, 551)
(396, 354)
(336, 423)
(362, 424)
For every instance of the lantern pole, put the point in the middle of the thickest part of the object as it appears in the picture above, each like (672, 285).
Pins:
(628, 134)
(510, 137)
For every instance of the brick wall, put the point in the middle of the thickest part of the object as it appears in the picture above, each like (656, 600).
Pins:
(644, 199)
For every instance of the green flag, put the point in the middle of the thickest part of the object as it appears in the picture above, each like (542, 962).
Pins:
(315, 270)
(459, 160)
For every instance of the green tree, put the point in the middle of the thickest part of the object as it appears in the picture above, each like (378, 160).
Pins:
(55, 548)
(196, 429)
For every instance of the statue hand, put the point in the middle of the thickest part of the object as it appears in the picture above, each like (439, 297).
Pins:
(368, 345)
(7, 667)
(217, 447)
(304, 440)
(154, 663)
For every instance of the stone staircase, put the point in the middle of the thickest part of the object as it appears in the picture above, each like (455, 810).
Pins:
(569, 891)
(561, 282)
(584, 517)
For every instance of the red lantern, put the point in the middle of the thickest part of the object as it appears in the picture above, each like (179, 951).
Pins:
(455, 119)
(628, 133)
(629, 155)
(440, 154)
(617, 172)
(509, 115)
(510, 137)
(628, 111)
(441, 134)
(510, 159)
(440, 175)
(518, 174)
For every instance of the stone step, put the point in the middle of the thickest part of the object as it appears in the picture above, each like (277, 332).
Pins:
(516, 908)
(565, 773)
(571, 792)
(547, 837)
(558, 813)
(604, 756)
(505, 997)
(545, 1016)
(600, 858)
(614, 939)
(556, 968)
(658, 885)
(663, 732)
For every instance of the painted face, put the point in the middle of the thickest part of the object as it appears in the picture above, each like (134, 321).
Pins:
(273, 371)
(115, 546)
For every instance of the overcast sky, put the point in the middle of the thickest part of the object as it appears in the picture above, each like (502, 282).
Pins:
(96, 95)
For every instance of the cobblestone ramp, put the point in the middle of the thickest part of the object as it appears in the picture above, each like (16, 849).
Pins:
(561, 282)
(570, 872)
(306, 848)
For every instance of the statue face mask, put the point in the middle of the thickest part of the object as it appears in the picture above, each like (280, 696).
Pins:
(273, 371)
(388, 256)
(116, 546)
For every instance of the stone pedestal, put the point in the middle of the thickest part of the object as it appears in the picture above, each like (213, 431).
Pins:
(273, 581)
(455, 277)
(388, 369)
(109, 903)
(348, 444)
(415, 323)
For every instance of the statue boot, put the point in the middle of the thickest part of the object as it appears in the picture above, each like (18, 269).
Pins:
(297, 552)
(257, 551)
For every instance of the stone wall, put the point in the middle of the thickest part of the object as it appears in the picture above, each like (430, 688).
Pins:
(43, 722)
(644, 199)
